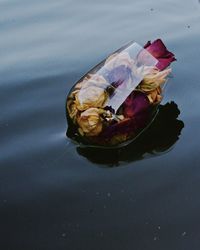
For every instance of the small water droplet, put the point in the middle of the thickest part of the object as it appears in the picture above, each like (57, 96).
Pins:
(184, 233)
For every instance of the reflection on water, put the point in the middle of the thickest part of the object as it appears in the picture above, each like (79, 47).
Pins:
(157, 139)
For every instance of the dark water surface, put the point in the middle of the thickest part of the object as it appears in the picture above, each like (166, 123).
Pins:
(56, 196)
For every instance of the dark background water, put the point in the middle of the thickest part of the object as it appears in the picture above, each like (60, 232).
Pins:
(54, 196)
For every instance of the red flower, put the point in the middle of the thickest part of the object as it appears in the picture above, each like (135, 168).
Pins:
(160, 52)
(136, 103)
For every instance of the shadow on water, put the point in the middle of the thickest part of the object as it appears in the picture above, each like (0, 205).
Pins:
(157, 139)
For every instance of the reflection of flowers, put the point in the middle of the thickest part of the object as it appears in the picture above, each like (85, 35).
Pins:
(90, 122)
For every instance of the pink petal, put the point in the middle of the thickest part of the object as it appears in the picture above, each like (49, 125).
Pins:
(135, 103)
(164, 63)
(160, 52)
(137, 113)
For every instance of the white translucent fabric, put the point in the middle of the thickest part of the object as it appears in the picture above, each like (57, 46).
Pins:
(141, 61)
(134, 58)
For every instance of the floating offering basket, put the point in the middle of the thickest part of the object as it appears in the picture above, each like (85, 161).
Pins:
(116, 100)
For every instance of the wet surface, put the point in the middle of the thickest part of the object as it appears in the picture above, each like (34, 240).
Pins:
(54, 195)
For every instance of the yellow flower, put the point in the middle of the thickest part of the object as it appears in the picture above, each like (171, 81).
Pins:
(153, 79)
(90, 122)
(91, 79)
(92, 94)
(116, 60)
(95, 79)
(71, 108)
(155, 96)
(90, 97)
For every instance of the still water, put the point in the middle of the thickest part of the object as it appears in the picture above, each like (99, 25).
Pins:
(54, 195)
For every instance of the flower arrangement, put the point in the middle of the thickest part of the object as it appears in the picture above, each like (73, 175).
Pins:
(115, 101)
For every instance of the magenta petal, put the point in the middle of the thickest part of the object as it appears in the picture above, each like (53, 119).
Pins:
(160, 52)
(137, 113)
(135, 103)
(147, 44)
(126, 127)
(120, 128)
(157, 48)
(164, 63)
(169, 54)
